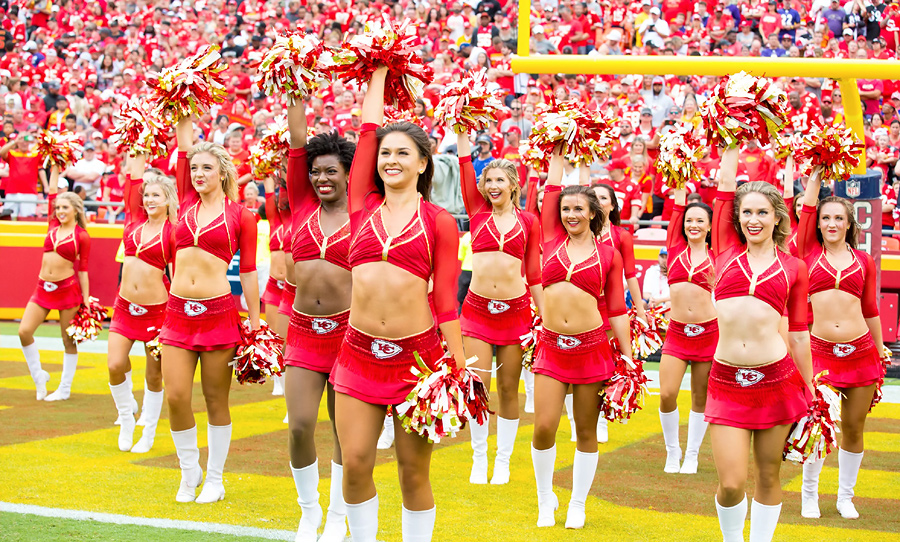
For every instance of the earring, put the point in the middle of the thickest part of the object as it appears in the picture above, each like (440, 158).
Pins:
(421, 172)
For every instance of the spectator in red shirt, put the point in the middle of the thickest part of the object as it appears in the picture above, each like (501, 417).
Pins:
(24, 175)
(758, 165)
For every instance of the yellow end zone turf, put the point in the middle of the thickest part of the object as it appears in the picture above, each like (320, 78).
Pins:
(82, 469)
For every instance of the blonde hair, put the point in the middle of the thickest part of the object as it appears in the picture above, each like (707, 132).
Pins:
(512, 175)
(76, 204)
(782, 231)
(226, 166)
(155, 177)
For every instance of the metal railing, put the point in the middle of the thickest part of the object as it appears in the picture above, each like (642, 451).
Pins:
(87, 203)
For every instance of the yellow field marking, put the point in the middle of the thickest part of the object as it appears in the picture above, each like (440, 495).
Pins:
(91, 378)
(873, 484)
(882, 442)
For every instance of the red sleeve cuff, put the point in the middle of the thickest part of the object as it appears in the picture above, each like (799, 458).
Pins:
(182, 154)
(612, 314)
(552, 188)
(724, 196)
(369, 127)
(297, 152)
(808, 208)
(798, 326)
(136, 181)
(678, 207)
(248, 269)
(465, 159)
(448, 316)
(536, 282)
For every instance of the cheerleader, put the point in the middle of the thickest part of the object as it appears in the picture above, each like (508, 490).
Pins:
(693, 329)
(321, 242)
(62, 285)
(497, 309)
(202, 321)
(277, 213)
(846, 337)
(150, 214)
(400, 242)
(759, 385)
(578, 271)
(794, 204)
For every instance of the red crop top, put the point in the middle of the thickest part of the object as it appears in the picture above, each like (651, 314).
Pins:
(309, 241)
(783, 285)
(276, 226)
(75, 247)
(621, 239)
(858, 279)
(680, 267)
(427, 246)
(522, 242)
(234, 229)
(159, 250)
(599, 275)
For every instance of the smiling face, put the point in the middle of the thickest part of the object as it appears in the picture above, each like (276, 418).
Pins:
(696, 224)
(155, 201)
(205, 175)
(329, 178)
(399, 162)
(605, 198)
(497, 188)
(757, 218)
(65, 212)
(833, 222)
(576, 214)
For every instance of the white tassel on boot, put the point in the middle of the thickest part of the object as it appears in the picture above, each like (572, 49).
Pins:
(362, 519)
(669, 422)
(306, 480)
(278, 386)
(336, 521)
(479, 435)
(583, 470)
(763, 521)
(696, 430)
(62, 393)
(848, 472)
(218, 439)
(544, 463)
(189, 461)
(570, 398)
(153, 401)
(38, 374)
(528, 377)
(602, 430)
(809, 494)
(122, 397)
(506, 441)
(731, 520)
(417, 525)
(386, 440)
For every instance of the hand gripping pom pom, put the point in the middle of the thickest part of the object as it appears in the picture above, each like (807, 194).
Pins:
(190, 87)
(887, 357)
(443, 400)
(743, 107)
(679, 151)
(384, 44)
(154, 347)
(137, 130)
(584, 134)
(625, 393)
(87, 322)
(813, 437)
(295, 66)
(59, 149)
(529, 341)
(646, 336)
(467, 105)
(835, 150)
(259, 355)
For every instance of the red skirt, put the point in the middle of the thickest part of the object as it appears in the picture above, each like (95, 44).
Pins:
(756, 397)
(496, 321)
(272, 295)
(313, 342)
(137, 322)
(692, 342)
(286, 306)
(377, 370)
(201, 325)
(854, 364)
(59, 295)
(585, 358)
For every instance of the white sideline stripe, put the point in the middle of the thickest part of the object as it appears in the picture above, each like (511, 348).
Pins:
(118, 519)
(54, 344)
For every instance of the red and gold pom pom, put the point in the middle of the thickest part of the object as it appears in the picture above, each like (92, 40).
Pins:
(467, 105)
(137, 130)
(585, 135)
(59, 149)
(267, 155)
(646, 337)
(154, 347)
(529, 340)
(393, 46)
(189, 87)
(259, 355)
(742, 108)
(835, 150)
(679, 151)
(625, 393)
(392, 115)
(295, 66)
(814, 436)
(443, 400)
(87, 322)
(887, 357)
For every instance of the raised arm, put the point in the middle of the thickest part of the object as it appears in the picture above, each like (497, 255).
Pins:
(788, 192)
(52, 221)
(728, 170)
(184, 133)
(134, 208)
(362, 172)
(724, 235)
(472, 198)
(550, 219)
(296, 119)
(674, 237)
(806, 230)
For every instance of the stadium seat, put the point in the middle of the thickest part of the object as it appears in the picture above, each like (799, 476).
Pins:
(650, 234)
(890, 243)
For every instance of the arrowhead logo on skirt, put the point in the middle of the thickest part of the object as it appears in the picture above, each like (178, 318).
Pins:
(50, 287)
(323, 326)
(693, 330)
(136, 310)
(194, 308)
(843, 350)
(566, 343)
(382, 349)
(748, 377)
(497, 307)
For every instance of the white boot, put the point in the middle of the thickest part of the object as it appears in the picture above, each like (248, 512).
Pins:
(189, 460)
(122, 397)
(506, 441)
(218, 438)
(142, 419)
(696, 430)
(528, 377)
(583, 471)
(544, 463)
(809, 494)
(479, 434)
(278, 387)
(602, 430)
(153, 401)
(569, 414)
(306, 481)
(362, 519)
(134, 404)
(417, 526)
(731, 520)
(669, 422)
(62, 393)
(386, 440)
(848, 471)
(763, 521)
(336, 520)
(38, 374)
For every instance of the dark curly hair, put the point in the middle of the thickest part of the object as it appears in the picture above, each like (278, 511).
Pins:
(423, 145)
(331, 143)
(599, 219)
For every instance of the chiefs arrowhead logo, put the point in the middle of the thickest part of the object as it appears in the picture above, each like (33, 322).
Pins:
(280, 284)
(496, 307)
(194, 308)
(50, 287)
(136, 310)
(323, 326)
(382, 349)
(748, 377)
(565, 342)
(843, 350)
(692, 330)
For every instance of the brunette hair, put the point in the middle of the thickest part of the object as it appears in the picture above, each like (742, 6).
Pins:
(615, 214)
(226, 166)
(423, 145)
(852, 237)
(782, 230)
(512, 175)
(599, 220)
(709, 214)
